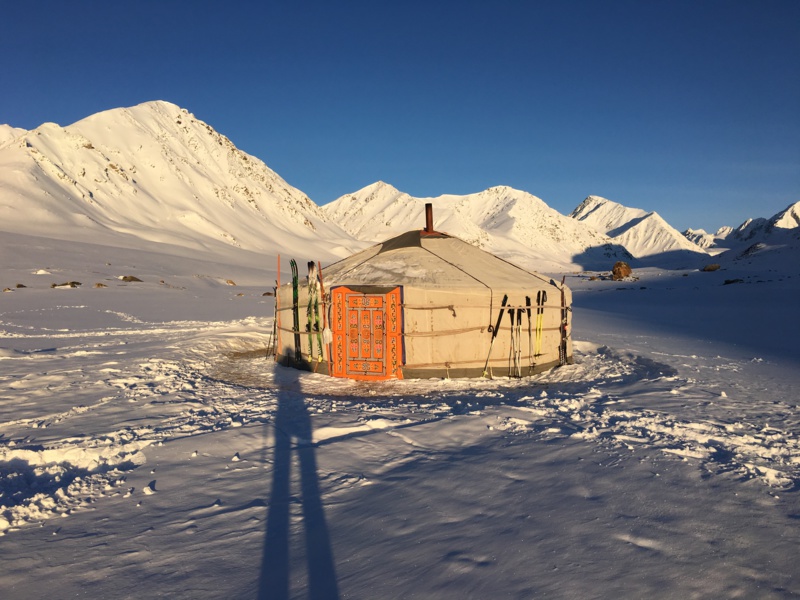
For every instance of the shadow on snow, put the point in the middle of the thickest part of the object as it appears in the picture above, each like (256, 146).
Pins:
(293, 435)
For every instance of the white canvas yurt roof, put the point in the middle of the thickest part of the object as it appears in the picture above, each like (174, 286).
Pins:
(435, 261)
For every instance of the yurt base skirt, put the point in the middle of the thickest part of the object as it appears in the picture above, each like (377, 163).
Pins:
(431, 372)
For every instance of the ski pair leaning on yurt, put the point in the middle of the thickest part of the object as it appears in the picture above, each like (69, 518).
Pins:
(425, 304)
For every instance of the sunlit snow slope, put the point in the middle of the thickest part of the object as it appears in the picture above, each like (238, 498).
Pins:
(644, 234)
(502, 220)
(780, 230)
(154, 173)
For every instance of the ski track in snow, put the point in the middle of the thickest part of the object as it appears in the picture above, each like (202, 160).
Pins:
(214, 376)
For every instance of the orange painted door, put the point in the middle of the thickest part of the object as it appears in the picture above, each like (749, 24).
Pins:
(367, 334)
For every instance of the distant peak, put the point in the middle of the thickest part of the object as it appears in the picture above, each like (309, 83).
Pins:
(378, 186)
(161, 103)
(155, 105)
(507, 189)
(589, 204)
(158, 109)
(161, 107)
(723, 231)
(788, 218)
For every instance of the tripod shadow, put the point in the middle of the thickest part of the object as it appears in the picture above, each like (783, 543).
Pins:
(293, 436)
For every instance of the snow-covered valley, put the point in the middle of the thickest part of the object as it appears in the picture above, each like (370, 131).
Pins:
(149, 447)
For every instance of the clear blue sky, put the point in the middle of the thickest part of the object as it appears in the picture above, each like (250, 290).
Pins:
(687, 107)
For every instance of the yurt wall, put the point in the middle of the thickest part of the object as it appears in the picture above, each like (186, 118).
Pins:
(445, 333)
(450, 334)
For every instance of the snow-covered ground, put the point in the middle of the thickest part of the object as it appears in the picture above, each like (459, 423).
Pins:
(148, 448)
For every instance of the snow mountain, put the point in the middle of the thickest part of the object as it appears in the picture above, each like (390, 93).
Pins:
(788, 218)
(646, 235)
(502, 220)
(786, 222)
(155, 174)
(710, 242)
(8, 133)
(754, 235)
(765, 239)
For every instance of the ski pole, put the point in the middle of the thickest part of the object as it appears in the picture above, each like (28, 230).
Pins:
(276, 317)
(518, 332)
(530, 335)
(494, 334)
(272, 335)
(512, 351)
(541, 300)
(562, 348)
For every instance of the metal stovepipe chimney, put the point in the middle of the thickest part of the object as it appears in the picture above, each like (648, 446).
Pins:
(429, 218)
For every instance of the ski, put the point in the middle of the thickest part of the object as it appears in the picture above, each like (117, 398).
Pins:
(327, 335)
(298, 356)
(310, 309)
(313, 310)
(562, 347)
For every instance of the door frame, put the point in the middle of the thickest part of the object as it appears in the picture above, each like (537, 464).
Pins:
(367, 327)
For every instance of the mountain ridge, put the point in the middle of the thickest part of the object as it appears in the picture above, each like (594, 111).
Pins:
(157, 173)
(500, 219)
(779, 229)
(646, 235)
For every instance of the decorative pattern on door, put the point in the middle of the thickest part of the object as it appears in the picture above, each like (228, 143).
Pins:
(367, 334)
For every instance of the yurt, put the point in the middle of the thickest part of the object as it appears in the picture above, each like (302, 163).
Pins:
(420, 305)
